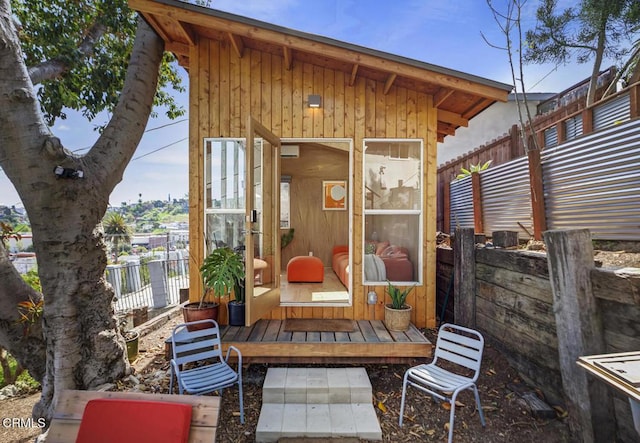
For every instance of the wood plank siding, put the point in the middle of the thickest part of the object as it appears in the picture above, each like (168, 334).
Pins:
(226, 89)
(240, 67)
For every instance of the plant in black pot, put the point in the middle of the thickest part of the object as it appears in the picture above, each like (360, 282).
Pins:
(220, 270)
(236, 306)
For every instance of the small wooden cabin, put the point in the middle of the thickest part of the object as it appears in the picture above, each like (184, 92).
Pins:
(290, 130)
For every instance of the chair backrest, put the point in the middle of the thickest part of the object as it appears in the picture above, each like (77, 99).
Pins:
(196, 345)
(461, 346)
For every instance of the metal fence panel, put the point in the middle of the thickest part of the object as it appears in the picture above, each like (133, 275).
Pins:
(573, 127)
(594, 182)
(506, 198)
(134, 286)
(612, 112)
(461, 204)
(551, 137)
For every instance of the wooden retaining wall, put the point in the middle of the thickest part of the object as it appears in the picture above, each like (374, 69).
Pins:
(618, 297)
(515, 312)
(514, 307)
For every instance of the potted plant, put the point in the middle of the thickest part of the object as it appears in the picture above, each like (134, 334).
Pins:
(220, 271)
(236, 306)
(130, 335)
(397, 314)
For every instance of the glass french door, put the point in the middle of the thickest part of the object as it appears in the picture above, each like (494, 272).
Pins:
(242, 210)
(262, 222)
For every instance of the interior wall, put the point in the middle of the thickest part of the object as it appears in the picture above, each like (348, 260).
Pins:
(316, 230)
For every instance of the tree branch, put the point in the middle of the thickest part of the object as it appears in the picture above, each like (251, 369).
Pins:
(119, 140)
(54, 68)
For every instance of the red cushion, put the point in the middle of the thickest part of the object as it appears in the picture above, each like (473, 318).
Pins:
(108, 420)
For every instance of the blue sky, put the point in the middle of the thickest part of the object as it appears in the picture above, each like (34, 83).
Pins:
(444, 33)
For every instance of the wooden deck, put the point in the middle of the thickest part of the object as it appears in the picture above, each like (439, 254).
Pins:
(267, 342)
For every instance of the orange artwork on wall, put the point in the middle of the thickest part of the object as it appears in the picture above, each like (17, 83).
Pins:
(334, 195)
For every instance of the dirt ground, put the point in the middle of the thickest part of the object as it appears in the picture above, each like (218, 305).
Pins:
(508, 417)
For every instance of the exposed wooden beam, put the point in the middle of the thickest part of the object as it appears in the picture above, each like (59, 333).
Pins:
(177, 48)
(477, 107)
(346, 53)
(151, 19)
(389, 83)
(187, 32)
(444, 128)
(288, 57)
(452, 118)
(441, 96)
(354, 74)
(237, 44)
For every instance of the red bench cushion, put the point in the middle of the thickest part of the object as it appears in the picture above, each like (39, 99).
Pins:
(112, 420)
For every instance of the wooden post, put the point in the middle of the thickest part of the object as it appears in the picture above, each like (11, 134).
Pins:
(579, 330)
(514, 142)
(537, 194)
(446, 207)
(477, 202)
(587, 121)
(634, 98)
(561, 130)
(464, 279)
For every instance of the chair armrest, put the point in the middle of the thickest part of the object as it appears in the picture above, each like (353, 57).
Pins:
(237, 351)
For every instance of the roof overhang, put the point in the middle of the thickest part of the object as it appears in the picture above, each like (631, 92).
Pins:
(457, 95)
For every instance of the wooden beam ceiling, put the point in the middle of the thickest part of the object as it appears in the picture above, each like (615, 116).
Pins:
(298, 42)
(452, 118)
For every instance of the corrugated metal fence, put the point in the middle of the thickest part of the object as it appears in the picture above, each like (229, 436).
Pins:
(591, 182)
(505, 197)
(461, 204)
(594, 182)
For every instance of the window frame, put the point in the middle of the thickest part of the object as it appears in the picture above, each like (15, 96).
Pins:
(418, 278)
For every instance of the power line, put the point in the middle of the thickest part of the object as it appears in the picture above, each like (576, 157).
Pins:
(160, 149)
(148, 130)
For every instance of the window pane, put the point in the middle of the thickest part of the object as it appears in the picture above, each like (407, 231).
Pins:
(224, 230)
(393, 211)
(285, 205)
(391, 247)
(392, 175)
(225, 172)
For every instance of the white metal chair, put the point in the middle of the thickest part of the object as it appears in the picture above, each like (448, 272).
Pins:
(208, 371)
(462, 349)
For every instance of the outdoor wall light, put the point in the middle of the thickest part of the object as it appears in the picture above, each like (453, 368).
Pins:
(315, 101)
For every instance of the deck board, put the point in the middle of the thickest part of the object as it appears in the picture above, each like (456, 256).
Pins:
(267, 342)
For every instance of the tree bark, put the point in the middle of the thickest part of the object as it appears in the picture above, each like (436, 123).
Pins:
(83, 346)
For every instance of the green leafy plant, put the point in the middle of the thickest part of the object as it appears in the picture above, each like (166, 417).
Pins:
(220, 271)
(29, 311)
(398, 297)
(286, 238)
(473, 168)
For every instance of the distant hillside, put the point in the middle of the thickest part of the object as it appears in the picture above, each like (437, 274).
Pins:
(143, 216)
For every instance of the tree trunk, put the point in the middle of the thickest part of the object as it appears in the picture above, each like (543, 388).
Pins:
(83, 346)
(25, 344)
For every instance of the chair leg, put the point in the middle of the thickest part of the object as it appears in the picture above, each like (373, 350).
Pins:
(479, 405)
(171, 382)
(452, 415)
(404, 392)
(241, 402)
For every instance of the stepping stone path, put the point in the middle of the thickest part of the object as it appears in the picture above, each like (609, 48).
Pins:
(317, 403)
